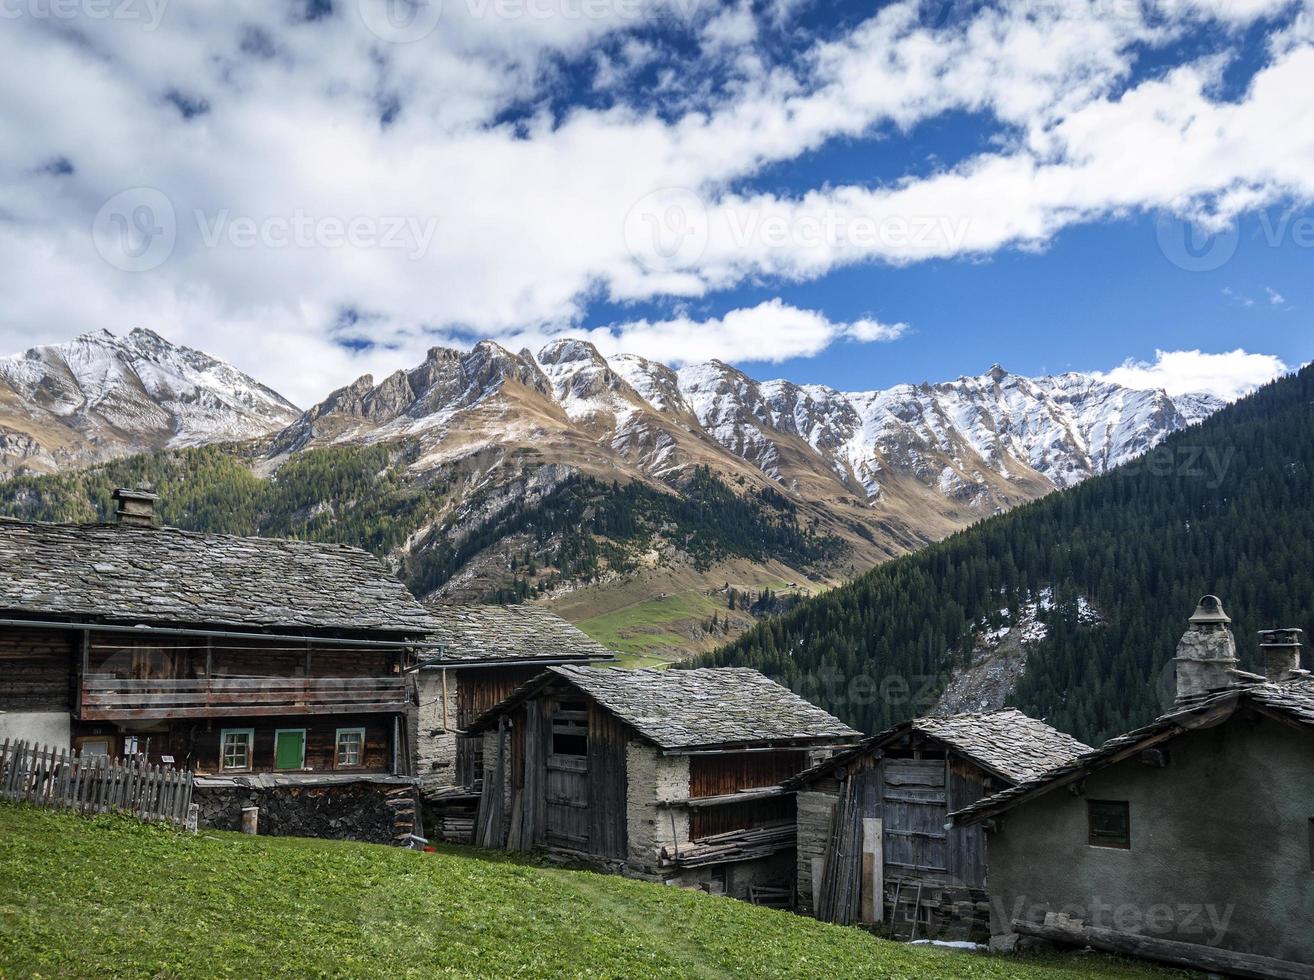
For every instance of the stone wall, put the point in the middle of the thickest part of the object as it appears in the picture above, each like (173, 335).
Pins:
(815, 811)
(370, 812)
(435, 746)
(652, 777)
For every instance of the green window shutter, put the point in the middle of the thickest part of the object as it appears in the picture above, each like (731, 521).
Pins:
(289, 749)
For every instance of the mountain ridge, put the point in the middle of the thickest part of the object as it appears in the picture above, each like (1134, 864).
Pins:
(482, 459)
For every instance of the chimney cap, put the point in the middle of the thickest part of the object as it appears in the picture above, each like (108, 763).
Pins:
(1285, 636)
(1209, 612)
(142, 492)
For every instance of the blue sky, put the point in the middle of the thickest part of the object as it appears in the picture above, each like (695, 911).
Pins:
(853, 194)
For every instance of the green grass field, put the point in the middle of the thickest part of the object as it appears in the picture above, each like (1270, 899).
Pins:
(647, 634)
(108, 897)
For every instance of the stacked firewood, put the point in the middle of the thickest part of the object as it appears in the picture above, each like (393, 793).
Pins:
(736, 845)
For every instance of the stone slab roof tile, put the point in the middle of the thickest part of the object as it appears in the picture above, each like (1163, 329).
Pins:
(125, 574)
(690, 709)
(489, 634)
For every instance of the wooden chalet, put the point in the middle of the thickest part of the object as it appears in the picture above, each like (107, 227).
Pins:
(1190, 840)
(479, 656)
(670, 775)
(871, 840)
(271, 668)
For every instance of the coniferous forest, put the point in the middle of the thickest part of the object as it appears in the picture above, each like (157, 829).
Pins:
(1226, 507)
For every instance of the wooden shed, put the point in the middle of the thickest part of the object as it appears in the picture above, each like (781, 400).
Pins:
(668, 775)
(480, 655)
(871, 840)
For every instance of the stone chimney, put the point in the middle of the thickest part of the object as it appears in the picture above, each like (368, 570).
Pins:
(1281, 650)
(135, 508)
(1206, 653)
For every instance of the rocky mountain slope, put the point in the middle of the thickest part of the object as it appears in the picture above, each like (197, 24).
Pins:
(1071, 609)
(100, 396)
(483, 453)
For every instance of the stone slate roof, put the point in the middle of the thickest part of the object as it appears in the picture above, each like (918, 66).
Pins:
(488, 634)
(1294, 701)
(690, 709)
(1009, 744)
(118, 573)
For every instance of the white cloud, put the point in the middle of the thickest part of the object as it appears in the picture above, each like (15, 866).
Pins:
(771, 331)
(326, 120)
(1228, 375)
(1274, 297)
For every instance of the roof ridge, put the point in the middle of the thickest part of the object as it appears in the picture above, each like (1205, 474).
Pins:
(117, 527)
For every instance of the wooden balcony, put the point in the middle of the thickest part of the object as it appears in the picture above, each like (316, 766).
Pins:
(107, 698)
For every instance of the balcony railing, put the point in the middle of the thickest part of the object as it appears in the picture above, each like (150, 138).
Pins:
(106, 698)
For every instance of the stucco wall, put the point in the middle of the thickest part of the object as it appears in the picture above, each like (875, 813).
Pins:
(1220, 846)
(652, 777)
(813, 829)
(435, 746)
(49, 728)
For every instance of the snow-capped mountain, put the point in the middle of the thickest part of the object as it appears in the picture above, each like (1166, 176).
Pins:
(957, 434)
(934, 455)
(917, 460)
(100, 396)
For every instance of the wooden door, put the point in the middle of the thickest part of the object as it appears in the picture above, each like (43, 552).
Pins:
(915, 813)
(966, 857)
(568, 776)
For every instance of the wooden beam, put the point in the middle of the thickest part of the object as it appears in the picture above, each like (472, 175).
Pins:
(1212, 959)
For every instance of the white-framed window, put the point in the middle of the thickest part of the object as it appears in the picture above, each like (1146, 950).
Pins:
(350, 750)
(236, 748)
(92, 746)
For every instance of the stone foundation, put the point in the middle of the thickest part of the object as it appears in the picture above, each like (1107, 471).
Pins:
(368, 812)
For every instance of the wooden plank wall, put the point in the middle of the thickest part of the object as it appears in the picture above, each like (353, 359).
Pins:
(914, 814)
(477, 690)
(966, 846)
(718, 775)
(36, 670)
(710, 821)
(200, 741)
(608, 784)
(185, 658)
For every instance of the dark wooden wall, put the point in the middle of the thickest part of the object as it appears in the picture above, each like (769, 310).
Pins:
(708, 821)
(717, 775)
(36, 670)
(321, 740)
(195, 744)
(966, 846)
(477, 690)
(185, 658)
(721, 775)
(608, 784)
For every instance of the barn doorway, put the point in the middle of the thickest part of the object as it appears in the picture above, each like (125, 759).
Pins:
(568, 776)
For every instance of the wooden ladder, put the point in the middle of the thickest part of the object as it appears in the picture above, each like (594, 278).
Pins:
(912, 913)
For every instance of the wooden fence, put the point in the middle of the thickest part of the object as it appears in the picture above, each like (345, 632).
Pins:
(49, 777)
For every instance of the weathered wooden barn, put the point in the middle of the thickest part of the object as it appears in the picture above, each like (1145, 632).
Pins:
(272, 669)
(1190, 840)
(670, 775)
(872, 845)
(481, 655)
